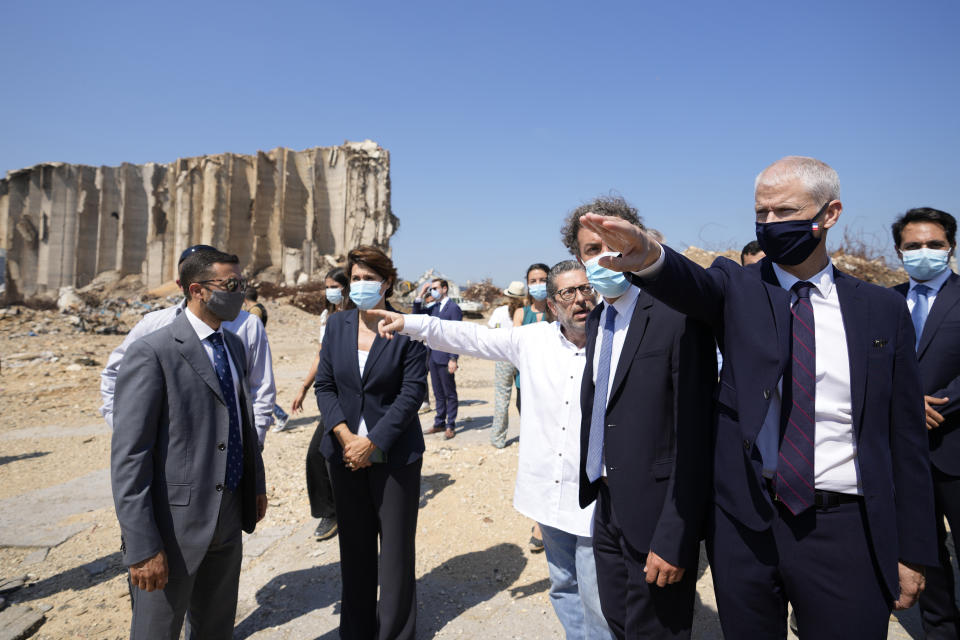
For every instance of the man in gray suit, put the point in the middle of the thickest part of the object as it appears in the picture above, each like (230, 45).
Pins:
(185, 463)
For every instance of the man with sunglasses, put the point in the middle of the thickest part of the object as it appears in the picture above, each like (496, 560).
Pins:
(550, 357)
(246, 326)
(644, 443)
(185, 466)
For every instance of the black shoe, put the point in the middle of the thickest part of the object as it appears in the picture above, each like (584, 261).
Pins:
(326, 528)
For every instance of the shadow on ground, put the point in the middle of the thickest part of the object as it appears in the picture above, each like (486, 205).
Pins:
(22, 456)
(78, 578)
(446, 592)
(433, 484)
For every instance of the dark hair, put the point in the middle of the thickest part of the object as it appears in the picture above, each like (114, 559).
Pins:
(926, 214)
(605, 206)
(191, 250)
(375, 260)
(250, 294)
(443, 283)
(752, 248)
(536, 266)
(338, 275)
(198, 266)
(557, 269)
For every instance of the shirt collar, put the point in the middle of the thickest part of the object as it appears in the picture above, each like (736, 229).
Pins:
(443, 302)
(624, 303)
(822, 281)
(936, 283)
(201, 328)
(558, 328)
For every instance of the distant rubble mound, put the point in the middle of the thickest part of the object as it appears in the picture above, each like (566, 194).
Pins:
(856, 263)
(289, 215)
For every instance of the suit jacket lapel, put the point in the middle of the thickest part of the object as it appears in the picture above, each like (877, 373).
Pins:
(351, 325)
(593, 324)
(638, 325)
(947, 297)
(780, 306)
(193, 352)
(856, 313)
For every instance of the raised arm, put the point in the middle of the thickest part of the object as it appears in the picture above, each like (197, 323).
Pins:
(451, 336)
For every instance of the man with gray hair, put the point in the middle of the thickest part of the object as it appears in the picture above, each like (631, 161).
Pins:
(822, 487)
(550, 357)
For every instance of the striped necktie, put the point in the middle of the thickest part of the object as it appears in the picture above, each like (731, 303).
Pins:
(595, 446)
(794, 482)
(234, 443)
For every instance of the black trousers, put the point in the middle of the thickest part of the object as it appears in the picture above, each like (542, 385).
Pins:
(319, 488)
(633, 608)
(819, 560)
(377, 504)
(938, 607)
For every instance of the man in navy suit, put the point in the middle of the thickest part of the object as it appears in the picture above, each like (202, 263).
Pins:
(822, 488)
(925, 240)
(649, 471)
(443, 366)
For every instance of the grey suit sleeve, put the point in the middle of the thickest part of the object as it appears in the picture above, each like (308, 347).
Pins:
(138, 407)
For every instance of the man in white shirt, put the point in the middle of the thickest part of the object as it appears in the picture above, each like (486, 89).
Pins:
(247, 327)
(550, 357)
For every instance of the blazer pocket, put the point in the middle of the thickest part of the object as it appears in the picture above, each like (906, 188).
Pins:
(654, 353)
(178, 494)
(662, 469)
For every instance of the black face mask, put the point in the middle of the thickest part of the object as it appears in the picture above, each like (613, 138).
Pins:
(790, 242)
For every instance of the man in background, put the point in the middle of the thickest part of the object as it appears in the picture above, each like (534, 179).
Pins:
(925, 240)
(443, 366)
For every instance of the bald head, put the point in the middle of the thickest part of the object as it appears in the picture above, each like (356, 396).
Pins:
(819, 180)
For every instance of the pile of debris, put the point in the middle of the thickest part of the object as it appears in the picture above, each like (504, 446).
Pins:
(483, 292)
(309, 296)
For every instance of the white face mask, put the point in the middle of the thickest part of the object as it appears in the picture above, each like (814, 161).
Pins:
(925, 264)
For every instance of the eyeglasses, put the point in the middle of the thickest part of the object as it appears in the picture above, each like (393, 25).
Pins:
(568, 294)
(230, 284)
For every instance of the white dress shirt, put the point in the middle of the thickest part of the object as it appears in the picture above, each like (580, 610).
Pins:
(835, 448)
(247, 327)
(935, 284)
(551, 370)
(362, 360)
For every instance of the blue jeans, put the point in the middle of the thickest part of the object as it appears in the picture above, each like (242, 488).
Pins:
(573, 585)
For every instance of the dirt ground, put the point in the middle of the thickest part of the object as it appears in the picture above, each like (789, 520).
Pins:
(475, 574)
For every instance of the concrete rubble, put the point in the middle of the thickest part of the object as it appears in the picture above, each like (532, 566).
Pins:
(287, 214)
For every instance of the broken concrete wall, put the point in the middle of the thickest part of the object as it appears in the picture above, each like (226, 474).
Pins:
(284, 212)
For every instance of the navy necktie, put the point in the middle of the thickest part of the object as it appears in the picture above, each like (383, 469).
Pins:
(794, 483)
(234, 444)
(595, 445)
(920, 309)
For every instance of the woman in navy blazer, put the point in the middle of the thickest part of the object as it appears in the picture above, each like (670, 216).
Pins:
(369, 391)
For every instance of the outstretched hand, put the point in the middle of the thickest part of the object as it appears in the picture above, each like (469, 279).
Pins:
(390, 322)
(637, 249)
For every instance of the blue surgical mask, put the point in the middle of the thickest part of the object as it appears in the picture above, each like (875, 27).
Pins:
(538, 291)
(925, 264)
(334, 295)
(608, 283)
(435, 294)
(430, 305)
(365, 294)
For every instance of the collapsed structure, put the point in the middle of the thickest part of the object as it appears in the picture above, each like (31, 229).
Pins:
(287, 214)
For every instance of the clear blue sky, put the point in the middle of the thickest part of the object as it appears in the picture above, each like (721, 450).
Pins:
(502, 116)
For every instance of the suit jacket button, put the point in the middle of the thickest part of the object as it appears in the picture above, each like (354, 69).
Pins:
(766, 394)
(219, 487)
(221, 446)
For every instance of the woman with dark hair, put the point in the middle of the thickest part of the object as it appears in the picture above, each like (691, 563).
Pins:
(319, 489)
(369, 390)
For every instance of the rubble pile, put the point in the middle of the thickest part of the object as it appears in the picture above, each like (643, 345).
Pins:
(483, 292)
(310, 296)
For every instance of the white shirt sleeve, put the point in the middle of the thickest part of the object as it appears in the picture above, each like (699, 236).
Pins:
(260, 381)
(653, 269)
(108, 377)
(464, 338)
